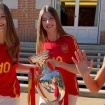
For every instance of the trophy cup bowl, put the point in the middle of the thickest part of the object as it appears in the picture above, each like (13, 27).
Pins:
(50, 84)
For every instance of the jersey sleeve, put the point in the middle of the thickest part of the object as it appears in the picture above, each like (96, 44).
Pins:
(74, 45)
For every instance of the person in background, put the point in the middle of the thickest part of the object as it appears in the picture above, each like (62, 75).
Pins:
(64, 16)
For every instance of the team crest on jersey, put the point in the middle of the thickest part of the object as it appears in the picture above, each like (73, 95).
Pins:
(64, 48)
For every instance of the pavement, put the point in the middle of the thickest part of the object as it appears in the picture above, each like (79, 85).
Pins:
(80, 101)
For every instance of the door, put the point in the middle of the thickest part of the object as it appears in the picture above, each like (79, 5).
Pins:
(80, 18)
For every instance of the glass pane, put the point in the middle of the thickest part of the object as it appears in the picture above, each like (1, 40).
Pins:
(67, 12)
(88, 12)
(58, 7)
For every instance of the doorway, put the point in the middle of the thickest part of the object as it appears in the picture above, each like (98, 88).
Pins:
(80, 18)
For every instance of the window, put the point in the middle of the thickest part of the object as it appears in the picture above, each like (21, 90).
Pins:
(12, 4)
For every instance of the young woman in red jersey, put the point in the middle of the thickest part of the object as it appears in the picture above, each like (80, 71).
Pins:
(9, 59)
(84, 67)
(61, 46)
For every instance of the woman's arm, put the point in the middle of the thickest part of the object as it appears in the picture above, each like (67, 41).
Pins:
(100, 77)
(85, 68)
(25, 67)
(69, 67)
(94, 85)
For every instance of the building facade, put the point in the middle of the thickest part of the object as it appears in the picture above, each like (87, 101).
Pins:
(85, 18)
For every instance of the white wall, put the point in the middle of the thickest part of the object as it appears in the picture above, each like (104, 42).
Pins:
(12, 4)
(15, 21)
(103, 16)
(41, 3)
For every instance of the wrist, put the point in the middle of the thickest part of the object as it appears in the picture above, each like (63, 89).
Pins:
(58, 63)
(86, 76)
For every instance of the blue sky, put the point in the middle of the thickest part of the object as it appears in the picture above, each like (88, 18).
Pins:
(47, 77)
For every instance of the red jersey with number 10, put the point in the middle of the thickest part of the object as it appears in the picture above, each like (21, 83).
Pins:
(9, 85)
(62, 50)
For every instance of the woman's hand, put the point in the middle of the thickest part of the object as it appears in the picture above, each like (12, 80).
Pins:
(51, 63)
(83, 66)
(36, 71)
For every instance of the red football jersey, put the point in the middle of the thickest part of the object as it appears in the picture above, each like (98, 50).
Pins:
(63, 49)
(9, 85)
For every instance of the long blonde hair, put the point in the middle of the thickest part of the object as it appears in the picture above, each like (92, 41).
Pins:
(11, 38)
(41, 33)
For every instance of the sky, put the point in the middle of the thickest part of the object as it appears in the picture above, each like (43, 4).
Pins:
(48, 76)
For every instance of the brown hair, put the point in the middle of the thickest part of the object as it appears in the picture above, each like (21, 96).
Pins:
(41, 33)
(11, 38)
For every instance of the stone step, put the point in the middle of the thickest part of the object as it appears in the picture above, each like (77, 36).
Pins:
(82, 92)
(26, 54)
(25, 78)
(32, 53)
(31, 44)
(85, 47)
(95, 57)
(22, 78)
(25, 49)
(93, 47)
(78, 75)
(95, 51)
(92, 75)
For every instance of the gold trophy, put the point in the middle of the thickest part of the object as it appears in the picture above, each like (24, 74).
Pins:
(50, 84)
